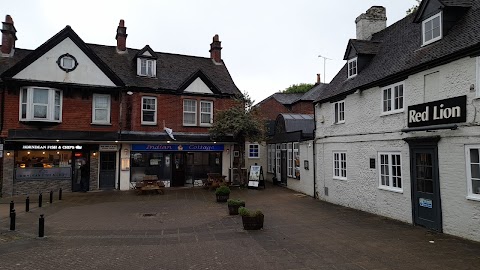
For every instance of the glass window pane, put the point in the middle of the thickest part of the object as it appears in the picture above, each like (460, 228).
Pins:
(100, 115)
(475, 171)
(39, 111)
(57, 113)
(474, 158)
(40, 96)
(24, 111)
(101, 102)
(476, 186)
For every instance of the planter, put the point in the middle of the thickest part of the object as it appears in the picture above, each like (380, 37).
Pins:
(222, 198)
(233, 209)
(253, 223)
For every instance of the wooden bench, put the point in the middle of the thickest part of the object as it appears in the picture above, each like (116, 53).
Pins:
(150, 183)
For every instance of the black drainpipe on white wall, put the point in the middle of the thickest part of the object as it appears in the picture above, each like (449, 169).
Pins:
(314, 161)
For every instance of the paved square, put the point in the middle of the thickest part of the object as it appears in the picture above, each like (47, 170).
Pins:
(187, 229)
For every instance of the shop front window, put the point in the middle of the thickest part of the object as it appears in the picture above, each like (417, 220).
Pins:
(43, 164)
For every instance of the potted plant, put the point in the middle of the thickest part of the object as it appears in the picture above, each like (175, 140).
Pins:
(233, 206)
(222, 193)
(251, 220)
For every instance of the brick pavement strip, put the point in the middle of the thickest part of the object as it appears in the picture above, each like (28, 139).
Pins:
(187, 229)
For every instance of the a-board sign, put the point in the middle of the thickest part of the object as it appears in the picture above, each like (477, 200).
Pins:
(255, 177)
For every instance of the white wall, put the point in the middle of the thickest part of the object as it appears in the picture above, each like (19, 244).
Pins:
(305, 183)
(198, 86)
(366, 132)
(125, 175)
(45, 68)
(261, 160)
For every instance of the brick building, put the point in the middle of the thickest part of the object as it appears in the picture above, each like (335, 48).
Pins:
(86, 117)
(397, 131)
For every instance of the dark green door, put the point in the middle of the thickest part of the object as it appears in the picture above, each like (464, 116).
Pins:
(107, 170)
(426, 187)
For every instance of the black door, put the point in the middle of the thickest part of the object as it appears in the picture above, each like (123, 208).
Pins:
(283, 167)
(426, 187)
(107, 170)
(178, 170)
(81, 172)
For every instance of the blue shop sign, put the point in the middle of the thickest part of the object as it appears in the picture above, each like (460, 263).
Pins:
(178, 147)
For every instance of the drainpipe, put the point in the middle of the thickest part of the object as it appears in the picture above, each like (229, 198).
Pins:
(314, 152)
(119, 164)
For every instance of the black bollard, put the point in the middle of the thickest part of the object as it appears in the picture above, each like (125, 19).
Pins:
(12, 220)
(51, 196)
(60, 194)
(12, 206)
(41, 226)
(27, 204)
(40, 200)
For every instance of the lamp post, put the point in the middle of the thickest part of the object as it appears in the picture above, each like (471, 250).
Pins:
(324, 66)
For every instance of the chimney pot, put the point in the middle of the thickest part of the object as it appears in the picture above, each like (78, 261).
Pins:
(8, 37)
(372, 21)
(121, 37)
(318, 78)
(216, 49)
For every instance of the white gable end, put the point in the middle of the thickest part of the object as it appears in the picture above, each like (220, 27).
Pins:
(146, 53)
(198, 86)
(46, 68)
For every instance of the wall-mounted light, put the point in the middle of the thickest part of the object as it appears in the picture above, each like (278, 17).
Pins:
(8, 153)
(58, 140)
(43, 153)
(58, 153)
(116, 141)
(129, 93)
(28, 153)
(94, 153)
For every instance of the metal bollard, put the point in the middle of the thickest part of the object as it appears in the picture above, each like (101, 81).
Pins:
(60, 194)
(51, 196)
(40, 200)
(41, 226)
(12, 220)
(12, 206)
(27, 204)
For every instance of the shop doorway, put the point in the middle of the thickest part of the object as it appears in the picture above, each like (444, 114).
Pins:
(178, 170)
(81, 172)
(283, 167)
(426, 203)
(107, 170)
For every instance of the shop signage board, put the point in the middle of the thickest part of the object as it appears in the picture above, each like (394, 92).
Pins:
(255, 177)
(51, 147)
(108, 147)
(446, 111)
(178, 147)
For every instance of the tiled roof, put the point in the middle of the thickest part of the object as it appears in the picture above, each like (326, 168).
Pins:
(287, 99)
(457, 3)
(400, 53)
(8, 62)
(314, 93)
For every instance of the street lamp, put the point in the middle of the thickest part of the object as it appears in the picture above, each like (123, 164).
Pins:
(324, 66)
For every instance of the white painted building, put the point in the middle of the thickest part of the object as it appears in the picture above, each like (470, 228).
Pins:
(398, 128)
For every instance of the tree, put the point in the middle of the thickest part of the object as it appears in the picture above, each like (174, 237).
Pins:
(242, 122)
(414, 8)
(298, 88)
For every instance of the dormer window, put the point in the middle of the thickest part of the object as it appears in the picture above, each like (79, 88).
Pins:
(432, 29)
(146, 67)
(352, 67)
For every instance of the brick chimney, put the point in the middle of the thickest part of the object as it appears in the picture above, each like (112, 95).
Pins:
(371, 22)
(216, 50)
(121, 37)
(8, 37)
(318, 79)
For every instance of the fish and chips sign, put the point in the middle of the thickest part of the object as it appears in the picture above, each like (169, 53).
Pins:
(446, 111)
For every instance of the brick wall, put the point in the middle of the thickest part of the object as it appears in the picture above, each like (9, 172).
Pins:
(7, 177)
(303, 107)
(94, 165)
(270, 108)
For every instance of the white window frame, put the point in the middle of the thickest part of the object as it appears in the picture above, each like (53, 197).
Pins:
(426, 42)
(339, 159)
(190, 112)
(201, 112)
(29, 114)
(394, 95)
(62, 62)
(153, 69)
(251, 147)
(290, 159)
(296, 157)
(337, 112)
(470, 192)
(278, 157)
(389, 172)
(149, 110)
(351, 67)
(269, 158)
(94, 109)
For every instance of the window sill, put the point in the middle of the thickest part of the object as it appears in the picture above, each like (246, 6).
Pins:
(339, 123)
(391, 189)
(392, 112)
(148, 124)
(340, 178)
(189, 125)
(473, 198)
(253, 157)
(101, 124)
(205, 125)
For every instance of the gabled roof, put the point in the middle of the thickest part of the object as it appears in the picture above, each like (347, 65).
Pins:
(362, 47)
(66, 32)
(314, 93)
(400, 54)
(445, 3)
(203, 77)
(286, 98)
(147, 48)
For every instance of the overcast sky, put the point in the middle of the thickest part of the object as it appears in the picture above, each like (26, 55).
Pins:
(267, 45)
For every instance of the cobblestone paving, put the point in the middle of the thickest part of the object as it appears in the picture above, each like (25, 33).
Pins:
(187, 229)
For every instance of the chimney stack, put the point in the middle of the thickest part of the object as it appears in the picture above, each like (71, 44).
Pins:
(318, 79)
(8, 37)
(121, 37)
(216, 50)
(371, 22)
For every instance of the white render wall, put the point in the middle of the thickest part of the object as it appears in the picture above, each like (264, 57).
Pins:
(45, 68)
(366, 132)
(261, 160)
(305, 184)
